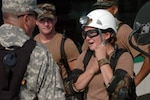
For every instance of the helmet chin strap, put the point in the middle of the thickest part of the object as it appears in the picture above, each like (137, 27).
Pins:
(102, 41)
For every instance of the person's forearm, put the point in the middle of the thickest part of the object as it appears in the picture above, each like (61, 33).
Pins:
(84, 79)
(144, 71)
(107, 73)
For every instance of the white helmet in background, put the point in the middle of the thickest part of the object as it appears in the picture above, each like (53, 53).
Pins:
(101, 19)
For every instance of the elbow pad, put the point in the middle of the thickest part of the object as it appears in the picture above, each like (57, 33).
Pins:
(121, 85)
(72, 79)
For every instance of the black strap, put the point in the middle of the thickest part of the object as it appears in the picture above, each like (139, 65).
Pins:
(63, 54)
(114, 58)
(11, 77)
(87, 58)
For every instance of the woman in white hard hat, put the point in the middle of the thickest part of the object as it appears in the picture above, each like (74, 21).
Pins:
(107, 74)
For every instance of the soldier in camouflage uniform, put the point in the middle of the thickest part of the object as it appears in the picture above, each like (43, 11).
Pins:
(42, 78)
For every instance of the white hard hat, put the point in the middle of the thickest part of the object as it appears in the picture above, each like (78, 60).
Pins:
(101, 19)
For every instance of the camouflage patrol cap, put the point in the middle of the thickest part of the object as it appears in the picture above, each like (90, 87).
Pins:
(49, 11)
(104, 4)
(20, 6)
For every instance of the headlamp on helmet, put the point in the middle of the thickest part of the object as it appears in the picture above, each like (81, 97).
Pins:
(84, 20)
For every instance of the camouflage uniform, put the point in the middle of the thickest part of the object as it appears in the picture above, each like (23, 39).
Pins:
(42, 77)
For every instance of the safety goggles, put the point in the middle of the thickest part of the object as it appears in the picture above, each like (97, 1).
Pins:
(91, 33)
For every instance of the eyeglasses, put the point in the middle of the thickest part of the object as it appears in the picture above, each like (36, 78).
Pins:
(91, 33)
(34, 15)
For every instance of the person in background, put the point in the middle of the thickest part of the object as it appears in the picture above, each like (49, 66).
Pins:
(42, 80)
(52, 39)
(123, 33)
(97, 77)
